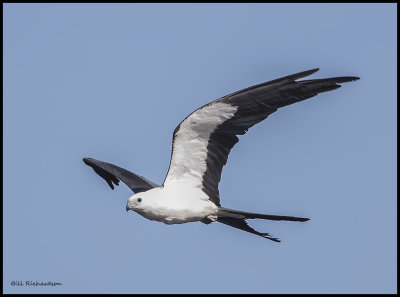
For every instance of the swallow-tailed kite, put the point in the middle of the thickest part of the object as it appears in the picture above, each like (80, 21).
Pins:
(200, 148)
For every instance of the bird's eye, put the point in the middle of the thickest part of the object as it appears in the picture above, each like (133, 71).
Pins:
(139, 199)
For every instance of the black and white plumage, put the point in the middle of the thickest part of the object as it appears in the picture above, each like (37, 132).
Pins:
(200, 149)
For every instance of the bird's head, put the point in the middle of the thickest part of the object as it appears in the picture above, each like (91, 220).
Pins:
(138, 202)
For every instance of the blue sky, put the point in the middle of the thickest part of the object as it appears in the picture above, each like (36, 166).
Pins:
(112, 81)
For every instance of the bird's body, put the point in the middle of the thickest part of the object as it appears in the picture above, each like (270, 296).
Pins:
(200, 149)
(175, 203)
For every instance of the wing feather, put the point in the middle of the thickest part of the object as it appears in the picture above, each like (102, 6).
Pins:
(203, 140)
(113, 174)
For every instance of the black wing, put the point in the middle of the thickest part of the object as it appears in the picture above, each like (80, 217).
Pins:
(251, 106)
(113, 174)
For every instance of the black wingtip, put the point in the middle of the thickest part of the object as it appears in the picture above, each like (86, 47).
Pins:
(311, 71)
(86, 161)
(308, 72)
(344, 79)
(107, 176)
(302, 74)
(268, 236)
(110, 184)
(353, 78)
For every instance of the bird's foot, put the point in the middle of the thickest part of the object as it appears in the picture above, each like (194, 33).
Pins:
(212, 218)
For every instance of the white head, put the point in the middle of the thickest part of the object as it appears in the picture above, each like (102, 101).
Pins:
(142, 201)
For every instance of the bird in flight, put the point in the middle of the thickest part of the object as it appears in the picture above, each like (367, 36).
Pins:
(200, 148)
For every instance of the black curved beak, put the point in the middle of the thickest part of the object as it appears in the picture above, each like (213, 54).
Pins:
(127, 208)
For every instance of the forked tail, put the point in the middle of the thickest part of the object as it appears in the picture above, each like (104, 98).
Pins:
(237, 219)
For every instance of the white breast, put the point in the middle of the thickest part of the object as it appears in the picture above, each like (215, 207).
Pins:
(177, 203)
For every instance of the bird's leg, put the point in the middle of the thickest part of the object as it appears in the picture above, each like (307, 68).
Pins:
(213, 218)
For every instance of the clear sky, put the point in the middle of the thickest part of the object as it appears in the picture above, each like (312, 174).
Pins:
(112, 81)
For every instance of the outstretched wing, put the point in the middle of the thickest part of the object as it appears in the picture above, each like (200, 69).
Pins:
(203, 140)
(113, 174)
